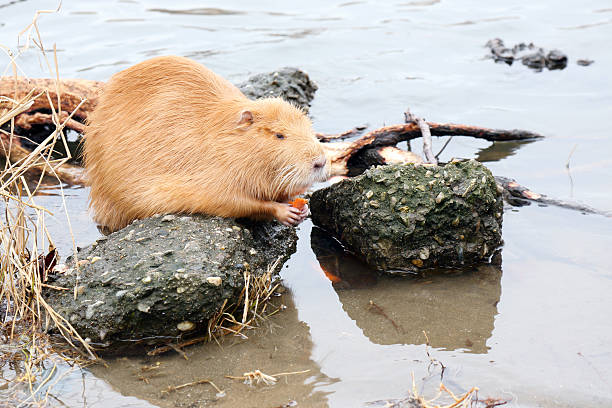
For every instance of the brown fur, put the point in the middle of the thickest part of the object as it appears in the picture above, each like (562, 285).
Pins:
(170, 136)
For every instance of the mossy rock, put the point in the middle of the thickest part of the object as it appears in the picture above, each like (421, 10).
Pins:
(164, 277)
(402, 218)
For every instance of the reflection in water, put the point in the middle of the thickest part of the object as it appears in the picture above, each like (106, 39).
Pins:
(500, 150)
(590, 25)
(484, 20)
(110, 64)
(300, 33)
(420, 3)
(206, 11)
(455, 308)
(282, 344)
(340, 267)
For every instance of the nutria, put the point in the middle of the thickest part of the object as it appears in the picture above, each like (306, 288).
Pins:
(170, 136)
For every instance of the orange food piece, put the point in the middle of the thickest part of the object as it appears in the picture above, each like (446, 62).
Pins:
(299, 203)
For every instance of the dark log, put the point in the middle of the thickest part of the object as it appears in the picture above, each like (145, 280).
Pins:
(492, 135)
(26, 120)
(341, 152)
(518, 196)
(366, 158)
(14, 151)
(356, 131)
(72, 92)
(392, 135)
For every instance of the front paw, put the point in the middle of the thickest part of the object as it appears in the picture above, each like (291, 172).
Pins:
(290, 216)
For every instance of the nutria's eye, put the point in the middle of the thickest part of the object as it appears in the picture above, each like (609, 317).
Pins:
(280, 136)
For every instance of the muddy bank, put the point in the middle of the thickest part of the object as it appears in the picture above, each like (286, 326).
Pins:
(404, 218)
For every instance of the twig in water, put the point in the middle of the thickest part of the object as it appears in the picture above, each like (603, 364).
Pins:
(569, 173)
(257, 377)
(464, 401)
(444, 147)
(172, 388)
(491, 402)
(433, 361)
(178, 350)
(373, 307)
(151, 371)
(567, 163)
(425, 133)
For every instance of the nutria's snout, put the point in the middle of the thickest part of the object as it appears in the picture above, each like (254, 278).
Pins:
(320, 163)
(320, 168)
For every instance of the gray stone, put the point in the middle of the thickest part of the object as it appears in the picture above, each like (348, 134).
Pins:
(423, 217)
(291, 84)
(160, 285)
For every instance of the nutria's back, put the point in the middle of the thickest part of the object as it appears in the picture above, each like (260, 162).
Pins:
(170, 135)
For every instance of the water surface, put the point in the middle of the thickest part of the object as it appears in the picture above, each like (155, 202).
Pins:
(535, 330)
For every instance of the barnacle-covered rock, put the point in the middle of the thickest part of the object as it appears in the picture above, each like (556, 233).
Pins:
(402, 218)
(163, 276)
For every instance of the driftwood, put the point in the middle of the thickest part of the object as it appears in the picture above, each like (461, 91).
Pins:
(356, 131)
(78, 97)
(425, 134)
(72, 92)
(347, 157)
(27, 120)
(518, 196)
(341, 152)
(13, 150)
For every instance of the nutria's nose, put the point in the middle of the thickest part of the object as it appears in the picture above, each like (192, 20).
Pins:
(320, 162)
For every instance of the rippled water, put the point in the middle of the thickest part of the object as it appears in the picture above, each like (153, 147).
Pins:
(537, 331)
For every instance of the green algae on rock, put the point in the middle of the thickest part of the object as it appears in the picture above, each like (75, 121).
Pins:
(402, 218)
(163, 276)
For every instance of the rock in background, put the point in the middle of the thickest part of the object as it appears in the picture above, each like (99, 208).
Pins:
(291, 84)
(402, 218)
(163, 276)
(531, 55)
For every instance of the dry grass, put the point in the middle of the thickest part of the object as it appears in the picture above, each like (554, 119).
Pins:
(462, 401)
(252, 305)
(27, 252)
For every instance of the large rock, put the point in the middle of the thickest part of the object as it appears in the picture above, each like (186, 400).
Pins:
(163, 276)
(291, 84)
(403, 218)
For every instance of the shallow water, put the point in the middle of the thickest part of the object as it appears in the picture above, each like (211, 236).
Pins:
(536, 330)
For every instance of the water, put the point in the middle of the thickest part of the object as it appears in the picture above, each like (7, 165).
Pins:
(535, 331)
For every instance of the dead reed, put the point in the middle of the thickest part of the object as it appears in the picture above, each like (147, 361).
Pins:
(27, 252)
(252, 305)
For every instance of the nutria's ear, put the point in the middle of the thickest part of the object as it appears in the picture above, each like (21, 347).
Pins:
(246, 118)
